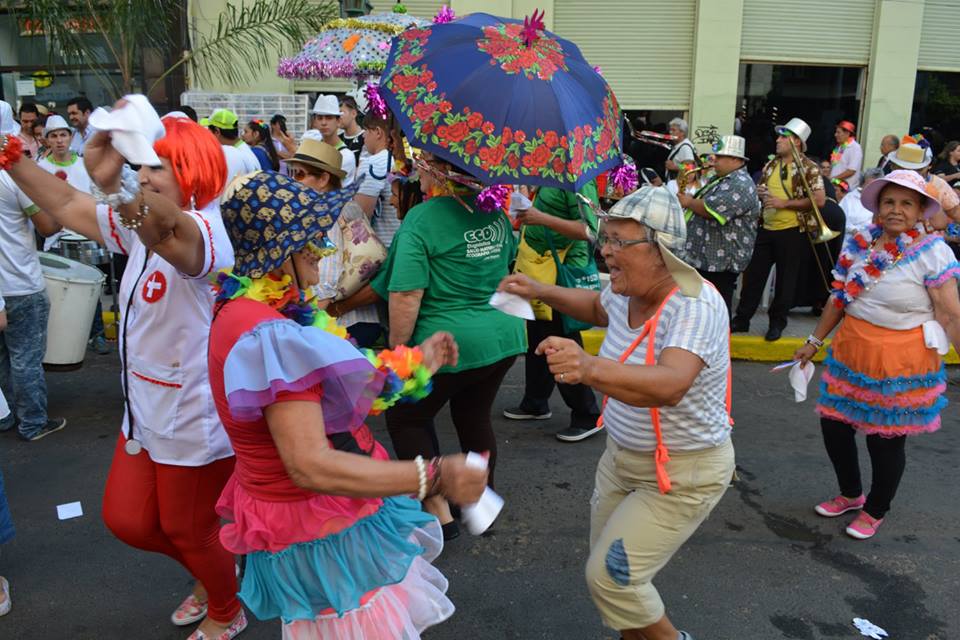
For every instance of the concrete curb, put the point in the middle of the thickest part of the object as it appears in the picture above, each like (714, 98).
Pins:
(747, 347)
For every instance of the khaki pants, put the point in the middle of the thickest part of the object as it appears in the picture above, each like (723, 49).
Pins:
(635, 530)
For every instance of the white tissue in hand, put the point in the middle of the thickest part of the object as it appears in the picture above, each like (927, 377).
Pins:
(512, 304)
(519, 202)
(799, 379)
(133, 128)
(479, 516)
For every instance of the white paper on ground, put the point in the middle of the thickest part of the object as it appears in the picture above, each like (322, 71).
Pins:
(512, 304)
(133, 128)
(69, 510)
(868, 629)
(799, 379)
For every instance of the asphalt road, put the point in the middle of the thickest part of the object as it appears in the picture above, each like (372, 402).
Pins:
(763, 566)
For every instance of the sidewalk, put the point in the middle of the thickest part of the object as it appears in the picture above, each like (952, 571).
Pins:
(752, 346)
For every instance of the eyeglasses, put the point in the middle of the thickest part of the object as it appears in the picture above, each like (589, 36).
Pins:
(616, 243)
(299, 174)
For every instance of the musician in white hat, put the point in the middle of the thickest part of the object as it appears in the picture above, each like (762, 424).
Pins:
(781, 241)
(722, 219)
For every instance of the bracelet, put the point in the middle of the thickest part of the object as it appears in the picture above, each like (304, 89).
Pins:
(129, 188)
(422, 476)
(433, 475)
(11, 150)
(142, 212)
(815, 341)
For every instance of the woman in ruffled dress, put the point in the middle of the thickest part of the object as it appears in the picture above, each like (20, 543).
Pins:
(895, 300)
(328, 550)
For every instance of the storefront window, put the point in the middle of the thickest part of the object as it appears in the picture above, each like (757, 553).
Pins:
(771, 94)
(936, 107)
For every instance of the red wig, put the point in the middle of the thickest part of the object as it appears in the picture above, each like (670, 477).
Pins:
(196, 158)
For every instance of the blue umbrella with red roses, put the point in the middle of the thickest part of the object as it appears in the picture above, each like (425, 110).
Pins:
(505, 100)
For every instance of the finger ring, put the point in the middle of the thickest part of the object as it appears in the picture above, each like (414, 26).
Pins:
(561, 377)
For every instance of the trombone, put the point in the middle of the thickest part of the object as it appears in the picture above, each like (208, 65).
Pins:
(815, 226)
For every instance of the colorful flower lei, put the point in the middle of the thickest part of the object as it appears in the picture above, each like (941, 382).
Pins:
(10, 151)
(861, 265)
(838, 150)
(406, 377)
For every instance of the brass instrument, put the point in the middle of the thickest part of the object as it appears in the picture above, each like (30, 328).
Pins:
(811, 222)
(664, 140)
(684, 176)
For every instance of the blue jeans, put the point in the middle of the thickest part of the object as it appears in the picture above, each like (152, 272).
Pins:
(6, 522)
(22, 345)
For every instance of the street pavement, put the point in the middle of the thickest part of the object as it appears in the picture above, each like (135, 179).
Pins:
(764, 566)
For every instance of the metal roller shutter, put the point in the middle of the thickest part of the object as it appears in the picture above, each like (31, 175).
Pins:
(644, 47)
(940, 36)
(814, 31)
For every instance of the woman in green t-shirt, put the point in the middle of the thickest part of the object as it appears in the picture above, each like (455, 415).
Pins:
(445, 263)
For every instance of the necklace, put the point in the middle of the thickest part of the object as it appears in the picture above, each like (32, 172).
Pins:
(865, 259)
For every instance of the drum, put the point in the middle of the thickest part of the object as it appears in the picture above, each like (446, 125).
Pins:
(74, 290)
(74, 246)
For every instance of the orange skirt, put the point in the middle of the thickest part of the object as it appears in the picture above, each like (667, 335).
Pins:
(882, 381)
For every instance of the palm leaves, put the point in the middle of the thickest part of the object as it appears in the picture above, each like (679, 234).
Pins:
(249, 36)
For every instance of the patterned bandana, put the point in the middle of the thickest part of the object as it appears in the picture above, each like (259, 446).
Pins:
(270, 217)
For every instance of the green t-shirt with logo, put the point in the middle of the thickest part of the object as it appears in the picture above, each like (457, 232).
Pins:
(458, 258)
(563, 204)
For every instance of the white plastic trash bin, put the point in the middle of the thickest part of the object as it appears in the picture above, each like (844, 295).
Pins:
(74, 290)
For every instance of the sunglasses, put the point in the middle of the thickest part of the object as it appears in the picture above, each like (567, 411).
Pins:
(299, 174)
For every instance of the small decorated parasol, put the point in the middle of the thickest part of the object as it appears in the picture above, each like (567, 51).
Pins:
(348, 48)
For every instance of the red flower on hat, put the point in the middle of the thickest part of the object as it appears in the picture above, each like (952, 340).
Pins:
(405, 82)
(475, 120)
(424, 110)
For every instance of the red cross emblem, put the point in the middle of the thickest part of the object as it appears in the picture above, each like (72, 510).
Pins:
(154, 287)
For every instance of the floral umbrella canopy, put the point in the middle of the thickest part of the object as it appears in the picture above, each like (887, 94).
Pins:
(505, 100)
(348, 48)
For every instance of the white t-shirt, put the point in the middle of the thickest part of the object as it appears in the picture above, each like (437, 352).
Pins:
(683, 151)
(858, 216)
(75, 174)
(699, 325)
(348, 163)
(238, 164)
(374, 170)
(899, 300)
(250, 159)
(852, 158)
(165, 335)
(20, 273)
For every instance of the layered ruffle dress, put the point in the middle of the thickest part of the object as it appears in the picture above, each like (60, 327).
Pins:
(884, 374)
(330, 567)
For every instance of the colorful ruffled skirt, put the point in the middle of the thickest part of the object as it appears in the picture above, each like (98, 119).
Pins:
(337, 568)
(882, 381)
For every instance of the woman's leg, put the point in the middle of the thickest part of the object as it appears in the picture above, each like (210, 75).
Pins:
(187, 498)
(839, 439)
(888, 459)
(470, 407)
(130, 506)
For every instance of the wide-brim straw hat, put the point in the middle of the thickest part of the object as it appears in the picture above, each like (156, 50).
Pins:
(318, 154)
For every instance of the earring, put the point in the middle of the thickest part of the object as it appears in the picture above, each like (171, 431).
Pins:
(193, 202)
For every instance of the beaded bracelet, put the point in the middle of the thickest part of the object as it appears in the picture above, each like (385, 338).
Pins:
(816, 342)
(422, 476)
(11, 150)
(129, 188)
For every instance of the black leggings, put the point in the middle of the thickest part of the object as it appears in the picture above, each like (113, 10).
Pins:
(887, 460)
(471, 394)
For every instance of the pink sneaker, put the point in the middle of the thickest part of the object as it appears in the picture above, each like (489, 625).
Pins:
(864, 526)
(190, 610)
(239, 624)
(839, 506)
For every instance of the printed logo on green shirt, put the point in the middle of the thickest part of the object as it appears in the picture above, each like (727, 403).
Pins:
(485, 242)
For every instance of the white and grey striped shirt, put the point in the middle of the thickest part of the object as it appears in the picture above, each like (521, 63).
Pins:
(698, 325)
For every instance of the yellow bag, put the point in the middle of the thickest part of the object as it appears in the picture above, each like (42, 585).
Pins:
(540, 267)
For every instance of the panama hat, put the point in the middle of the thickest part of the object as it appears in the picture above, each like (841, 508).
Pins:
(319, 154)
(326, 106)
(658, 209)
(55, 123)
(906, 178)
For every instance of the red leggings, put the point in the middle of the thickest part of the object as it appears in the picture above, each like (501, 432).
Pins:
(171, 510)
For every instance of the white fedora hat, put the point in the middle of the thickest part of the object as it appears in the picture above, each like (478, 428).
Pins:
(733, 146)
(326, 105)
(797, 127)
(55, 123)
